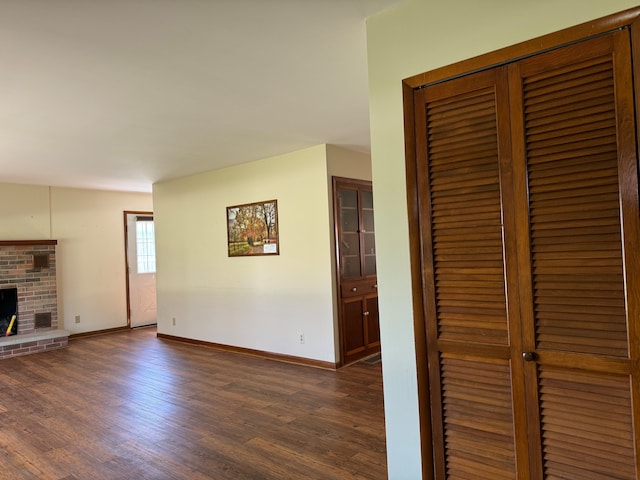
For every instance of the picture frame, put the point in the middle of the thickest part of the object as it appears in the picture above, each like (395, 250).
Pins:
(252, 229)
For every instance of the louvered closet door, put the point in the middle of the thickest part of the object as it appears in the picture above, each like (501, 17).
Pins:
(469, 330)
(575, 160)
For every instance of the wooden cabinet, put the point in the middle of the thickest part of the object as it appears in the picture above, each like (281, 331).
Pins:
(527, 191)
(356, 269)
(361, 328)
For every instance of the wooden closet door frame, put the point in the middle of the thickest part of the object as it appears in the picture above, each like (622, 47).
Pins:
(626, 19)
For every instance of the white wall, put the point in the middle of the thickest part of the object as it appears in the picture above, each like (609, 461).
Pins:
(414, 37)
(261, 303)
(89, 227)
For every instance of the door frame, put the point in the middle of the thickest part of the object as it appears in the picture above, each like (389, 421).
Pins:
(125, 213)
(410, 87)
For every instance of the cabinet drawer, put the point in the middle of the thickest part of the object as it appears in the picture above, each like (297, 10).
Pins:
(359, 287)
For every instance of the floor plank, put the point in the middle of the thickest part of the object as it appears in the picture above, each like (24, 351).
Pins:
(131, 406)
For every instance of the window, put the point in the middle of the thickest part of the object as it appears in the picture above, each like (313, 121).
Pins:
(145, 245)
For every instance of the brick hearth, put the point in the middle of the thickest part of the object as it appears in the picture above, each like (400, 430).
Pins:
(30, 266)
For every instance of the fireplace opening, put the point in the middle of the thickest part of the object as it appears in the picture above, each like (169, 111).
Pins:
(8, 312)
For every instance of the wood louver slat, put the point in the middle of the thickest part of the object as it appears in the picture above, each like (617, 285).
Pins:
(466, 223)
(574, 211)
(478, 419)
(586, 422)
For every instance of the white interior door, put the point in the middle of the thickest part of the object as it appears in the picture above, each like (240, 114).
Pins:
(141, 266)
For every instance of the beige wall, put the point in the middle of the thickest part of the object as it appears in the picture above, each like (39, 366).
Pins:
(88, 225)
(24, 212)
(261, 303)
(414, 37)
(342, 162)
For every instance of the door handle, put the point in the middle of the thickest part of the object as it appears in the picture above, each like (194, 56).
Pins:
(529, 356)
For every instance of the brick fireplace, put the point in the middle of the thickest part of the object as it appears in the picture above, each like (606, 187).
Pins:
(30, 267)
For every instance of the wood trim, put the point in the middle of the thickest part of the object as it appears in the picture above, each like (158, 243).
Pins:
(352, 181)
(419, 320)
(336, 247)
(634, 330)
(338, 265)
(527, 48)
(12, 243)
(523, 333)
(524, 442)
(630, 223)
(256, 353)
(126, 266)
(97, 332)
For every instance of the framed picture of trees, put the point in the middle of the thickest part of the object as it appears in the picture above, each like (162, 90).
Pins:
(252, 229)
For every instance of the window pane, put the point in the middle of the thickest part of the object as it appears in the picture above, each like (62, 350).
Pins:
(145, 246)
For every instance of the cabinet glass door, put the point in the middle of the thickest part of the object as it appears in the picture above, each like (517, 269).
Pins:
(368, 233)
(350, 233)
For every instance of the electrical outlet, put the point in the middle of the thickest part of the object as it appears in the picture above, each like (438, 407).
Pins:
(77, 318)
(301, 337)
(174, 321)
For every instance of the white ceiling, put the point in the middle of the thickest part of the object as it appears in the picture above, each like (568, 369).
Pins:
(118, 94)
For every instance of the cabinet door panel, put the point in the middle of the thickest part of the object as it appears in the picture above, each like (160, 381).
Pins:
(471, 324)
(353, 324)
(476, 397)
(587, 424)
(349, 233)
(572, 147)
(373, 322)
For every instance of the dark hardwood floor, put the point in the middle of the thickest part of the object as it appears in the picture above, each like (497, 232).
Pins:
(130, 406)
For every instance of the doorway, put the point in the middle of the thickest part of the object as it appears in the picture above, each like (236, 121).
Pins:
(140, 257)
